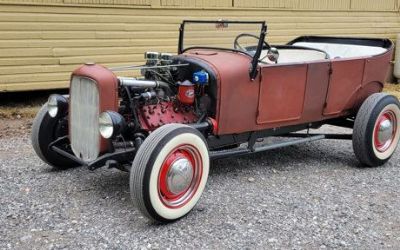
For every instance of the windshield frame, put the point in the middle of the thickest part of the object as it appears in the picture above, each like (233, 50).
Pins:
(255, 57)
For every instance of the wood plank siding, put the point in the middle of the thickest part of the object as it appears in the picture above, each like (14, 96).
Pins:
(42, 41)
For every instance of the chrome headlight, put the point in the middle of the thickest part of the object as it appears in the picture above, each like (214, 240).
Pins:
(111, 124)
(57, 105)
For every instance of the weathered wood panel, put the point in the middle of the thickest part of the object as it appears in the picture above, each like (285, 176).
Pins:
(374, 4)
(40, 43)
(283, 4)
(324, 4)
(287, 4)
(84, 2)
(320, 4)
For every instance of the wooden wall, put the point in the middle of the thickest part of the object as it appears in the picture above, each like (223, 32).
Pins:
(42, 41)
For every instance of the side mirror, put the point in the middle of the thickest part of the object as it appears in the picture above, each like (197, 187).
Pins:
(273, 54)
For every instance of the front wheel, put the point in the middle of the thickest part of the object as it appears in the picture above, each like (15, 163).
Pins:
(169, 172)
(376, 129)
(45, 130)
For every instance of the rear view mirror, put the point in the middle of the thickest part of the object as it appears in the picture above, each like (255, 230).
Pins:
(273, 54)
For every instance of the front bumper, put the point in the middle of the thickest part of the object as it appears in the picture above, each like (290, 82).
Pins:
(114, 159)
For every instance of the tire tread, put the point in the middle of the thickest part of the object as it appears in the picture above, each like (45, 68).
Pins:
(37, 122)
(142, 157)
(41, 135)
(361, 130)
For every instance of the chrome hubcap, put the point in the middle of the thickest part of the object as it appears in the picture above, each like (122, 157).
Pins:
(180, 176)
(385, 131)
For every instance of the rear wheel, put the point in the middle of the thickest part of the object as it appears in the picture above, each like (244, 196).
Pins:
(169, 172)
(45, 130)
(376, 130)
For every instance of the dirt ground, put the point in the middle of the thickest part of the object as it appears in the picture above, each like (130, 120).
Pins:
(13, 127)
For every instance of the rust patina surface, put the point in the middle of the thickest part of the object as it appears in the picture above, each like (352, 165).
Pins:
(107, 84)
(289, 94)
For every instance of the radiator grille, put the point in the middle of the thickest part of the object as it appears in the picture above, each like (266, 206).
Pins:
(84, 118)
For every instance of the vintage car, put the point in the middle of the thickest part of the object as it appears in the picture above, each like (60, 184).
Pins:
(225, 90)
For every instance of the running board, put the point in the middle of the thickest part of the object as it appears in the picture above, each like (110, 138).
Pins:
(327, 136)
(245, 151)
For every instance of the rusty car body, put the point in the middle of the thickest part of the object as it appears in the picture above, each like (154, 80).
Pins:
(215, 101)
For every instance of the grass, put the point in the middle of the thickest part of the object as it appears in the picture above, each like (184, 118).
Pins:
(393, 89)
(26, 105)
(23, 104)
(18, 112)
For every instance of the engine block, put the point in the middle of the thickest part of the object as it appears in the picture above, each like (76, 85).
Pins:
(154, 116)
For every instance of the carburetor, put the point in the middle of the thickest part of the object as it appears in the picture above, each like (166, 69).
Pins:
(154, 60)
(157, 58)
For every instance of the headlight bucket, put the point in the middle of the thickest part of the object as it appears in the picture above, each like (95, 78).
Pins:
(111, 124)
(57, 106)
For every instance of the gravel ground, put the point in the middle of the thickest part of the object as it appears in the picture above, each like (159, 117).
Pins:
(309, 196)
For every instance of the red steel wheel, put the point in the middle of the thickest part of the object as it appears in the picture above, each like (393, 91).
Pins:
(180, 176)
(169, 172)
(385, 131)
(376, 129)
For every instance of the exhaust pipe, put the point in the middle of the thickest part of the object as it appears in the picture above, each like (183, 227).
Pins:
(143, 84)
(137, 84)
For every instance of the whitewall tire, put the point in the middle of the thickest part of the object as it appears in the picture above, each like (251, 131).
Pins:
(169, 172)
(377, 129)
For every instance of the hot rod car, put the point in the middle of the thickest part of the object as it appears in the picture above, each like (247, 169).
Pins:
(217, 98)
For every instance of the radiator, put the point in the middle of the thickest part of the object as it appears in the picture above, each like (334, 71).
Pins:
(84, 118)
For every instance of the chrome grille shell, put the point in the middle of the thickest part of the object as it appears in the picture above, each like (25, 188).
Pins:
(84, 118)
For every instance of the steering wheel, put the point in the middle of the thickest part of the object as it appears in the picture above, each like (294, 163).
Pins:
(237, 46)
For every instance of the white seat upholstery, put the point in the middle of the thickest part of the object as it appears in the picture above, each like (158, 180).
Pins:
(295, 55)
(336, 50)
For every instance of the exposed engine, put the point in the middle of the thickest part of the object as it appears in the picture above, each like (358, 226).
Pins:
(171, 90)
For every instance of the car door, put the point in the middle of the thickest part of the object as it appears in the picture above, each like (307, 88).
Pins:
(346, 80)
(292, 93)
